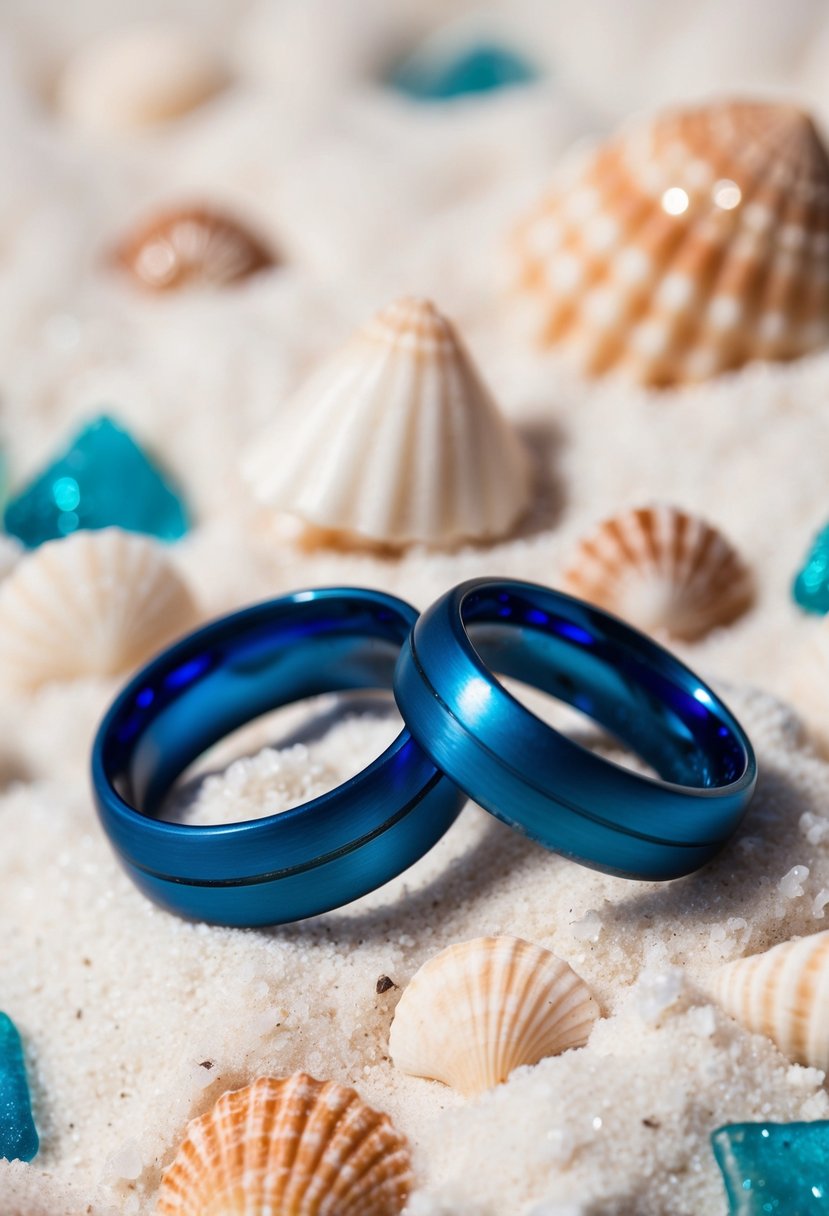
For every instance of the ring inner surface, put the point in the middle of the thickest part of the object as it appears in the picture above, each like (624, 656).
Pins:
(637, 691)
(229, 676)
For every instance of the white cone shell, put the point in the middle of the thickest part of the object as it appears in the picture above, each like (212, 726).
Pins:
(395, 440)
(783, 994)
(482, 1008)
(95, 604)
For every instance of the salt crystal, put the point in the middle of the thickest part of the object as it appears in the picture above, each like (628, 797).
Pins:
(657, 991)
(791, 884)
(559, 1146)
(813, 827)
(126, 1163)
(819, 903)
(589, 928)
(203, 1073)
(704, 1021)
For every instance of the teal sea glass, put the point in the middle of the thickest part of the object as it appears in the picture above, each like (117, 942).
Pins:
(480, 68)
(811, 587)
(775, 1169)
(103, 479)
(18, 1136)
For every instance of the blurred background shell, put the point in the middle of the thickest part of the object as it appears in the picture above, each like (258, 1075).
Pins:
(687, 245)
(291, 1147)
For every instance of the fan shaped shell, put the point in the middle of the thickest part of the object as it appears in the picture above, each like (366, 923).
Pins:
(292, 1147)
(783, 994)
(687, 246)
(662, 570)
(191, 247)
(137, 77)
(482, 1008)
(94, 604)
(395, 440)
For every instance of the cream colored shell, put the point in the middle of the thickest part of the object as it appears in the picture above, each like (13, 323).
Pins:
(482, 1008)
(395, 440)
(661, 569)
(191, 247)
(137, 77)
(783, 994)
(687, 245)
(293, 1147)
(94, 604)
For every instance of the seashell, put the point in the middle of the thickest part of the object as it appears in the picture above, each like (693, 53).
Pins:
(395, 440)
(292, 1147)
(783, 994)
(94, 604)
(662, 570)
(687, 246)
(138, 77)
(191, 247)
(482, 1008)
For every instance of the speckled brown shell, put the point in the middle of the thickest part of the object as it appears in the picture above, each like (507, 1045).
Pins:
(783, 994)
(291, 1147)
(191, 247)
(663, 570)
(687, 245)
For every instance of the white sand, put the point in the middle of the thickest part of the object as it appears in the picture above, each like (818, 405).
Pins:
(120, 1004)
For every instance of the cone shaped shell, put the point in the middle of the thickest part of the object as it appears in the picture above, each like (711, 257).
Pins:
(783, 994)
(190, 247)
(663, 570)
(482, 1008)
(395, 440)
(293, 1147)
(687, 246)
(95, 604)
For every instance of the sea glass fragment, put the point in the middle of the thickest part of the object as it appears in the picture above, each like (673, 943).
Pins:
(775, 1169)
(811, 587)
(102, 480)
(18, 1137)
(479, 68)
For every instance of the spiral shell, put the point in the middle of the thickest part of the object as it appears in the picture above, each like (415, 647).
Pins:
(292, 1147)
(191, 247)
(482, 1008)
(96, 603)
(687, 245)
(395, 440)
(783, 994)
(662, 570)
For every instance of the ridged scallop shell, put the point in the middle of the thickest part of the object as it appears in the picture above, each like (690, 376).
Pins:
(482, 1008)
(137, 77)
(687, 246)
(96, 603)
(783, 994)
(191, 247)
(394, 440)
(662, 570)
(292, 1147)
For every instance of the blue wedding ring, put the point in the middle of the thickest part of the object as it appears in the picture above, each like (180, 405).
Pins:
(309, 859)
(547, 785)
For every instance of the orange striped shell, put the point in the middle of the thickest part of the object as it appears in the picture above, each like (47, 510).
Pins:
(191, 247)
(687, 245)
(663, 570)
(783, 994)
(291, 1147)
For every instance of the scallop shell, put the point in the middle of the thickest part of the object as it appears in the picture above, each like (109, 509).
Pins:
(292, 1147)
(783, 994)
(191, 247)
(96, 603)
(395, 440)
(662, 570)
(137, 77)
(687, 246)
(482, 1008)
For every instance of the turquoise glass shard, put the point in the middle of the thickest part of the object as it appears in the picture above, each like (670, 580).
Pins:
(811, 587)
(18, 1136)
(102, 480)
(428, 76)
(775, 1169)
